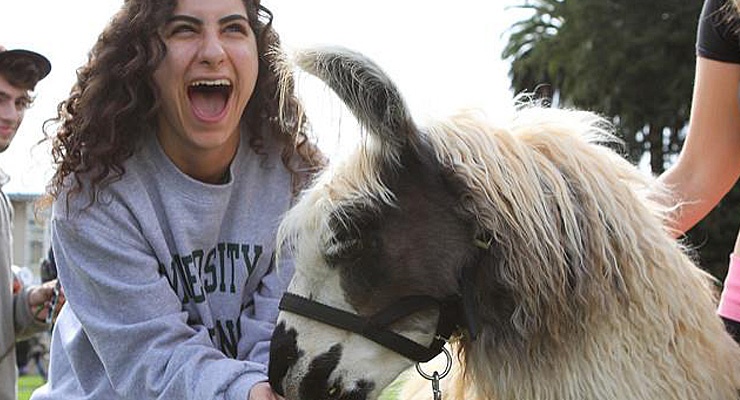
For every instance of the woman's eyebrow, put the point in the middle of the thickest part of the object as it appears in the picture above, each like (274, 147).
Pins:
(196, 21)
(232, 18)
(184, 18)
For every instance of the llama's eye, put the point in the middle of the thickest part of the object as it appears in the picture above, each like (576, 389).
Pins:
(342, 251)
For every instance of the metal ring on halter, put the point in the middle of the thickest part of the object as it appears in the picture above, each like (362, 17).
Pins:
(443, 374)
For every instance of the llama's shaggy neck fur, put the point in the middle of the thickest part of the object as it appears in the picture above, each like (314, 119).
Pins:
(581, 295)
(607, 305)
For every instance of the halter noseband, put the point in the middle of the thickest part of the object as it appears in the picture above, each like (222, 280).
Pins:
(458, 311)
(375, 327)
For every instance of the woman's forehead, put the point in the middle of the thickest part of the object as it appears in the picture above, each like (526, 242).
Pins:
(210, 8)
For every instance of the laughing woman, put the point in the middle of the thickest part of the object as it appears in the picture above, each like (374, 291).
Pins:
(175, 159)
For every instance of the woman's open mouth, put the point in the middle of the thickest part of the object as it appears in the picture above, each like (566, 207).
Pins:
(209, 98)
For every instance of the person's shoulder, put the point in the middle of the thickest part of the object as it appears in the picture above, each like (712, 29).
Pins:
(718, 36)
(79, 196)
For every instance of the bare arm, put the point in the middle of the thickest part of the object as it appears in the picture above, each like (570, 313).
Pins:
(709, 163)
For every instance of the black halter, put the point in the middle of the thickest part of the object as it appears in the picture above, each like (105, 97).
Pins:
(455, 312)
(375, 327)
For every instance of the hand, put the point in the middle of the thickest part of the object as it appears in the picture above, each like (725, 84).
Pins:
(40, 299)
(263, 391)
(17, 285)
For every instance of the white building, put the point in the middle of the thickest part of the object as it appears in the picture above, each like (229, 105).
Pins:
(31, 232)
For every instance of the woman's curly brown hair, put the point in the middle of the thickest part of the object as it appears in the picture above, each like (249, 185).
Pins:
(114, 102)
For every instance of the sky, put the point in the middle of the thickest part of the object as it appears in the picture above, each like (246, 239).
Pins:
(443, 56)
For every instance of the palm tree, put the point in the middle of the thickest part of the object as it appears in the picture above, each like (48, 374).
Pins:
(630, 60)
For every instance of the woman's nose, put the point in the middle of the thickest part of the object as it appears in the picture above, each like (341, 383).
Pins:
(212, 50)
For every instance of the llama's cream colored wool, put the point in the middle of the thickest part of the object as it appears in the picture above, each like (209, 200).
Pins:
(646, 314)
(582, 295)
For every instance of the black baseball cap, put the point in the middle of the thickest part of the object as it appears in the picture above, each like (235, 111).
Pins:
(41, 62)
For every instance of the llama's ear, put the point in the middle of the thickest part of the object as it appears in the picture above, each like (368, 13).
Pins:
(366, 90)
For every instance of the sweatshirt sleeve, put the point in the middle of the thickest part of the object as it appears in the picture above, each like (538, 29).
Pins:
(134, 321)
(259, 318)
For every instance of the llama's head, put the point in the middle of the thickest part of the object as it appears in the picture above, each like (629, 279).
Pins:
(455, 230)
(381, 237)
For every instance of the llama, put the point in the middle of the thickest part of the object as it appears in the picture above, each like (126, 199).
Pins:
(532, 247)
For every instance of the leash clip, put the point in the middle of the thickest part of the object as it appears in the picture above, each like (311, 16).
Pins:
(436, 376)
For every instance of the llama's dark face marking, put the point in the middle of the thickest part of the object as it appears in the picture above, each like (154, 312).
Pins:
(284, 354)
(374, 255)
(384, 225)
(318, 383)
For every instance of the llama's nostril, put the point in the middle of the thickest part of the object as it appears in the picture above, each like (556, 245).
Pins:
(315, 384)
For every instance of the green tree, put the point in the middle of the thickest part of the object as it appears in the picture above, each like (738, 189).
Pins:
(630, 60)
(633, 62)
(714, 237)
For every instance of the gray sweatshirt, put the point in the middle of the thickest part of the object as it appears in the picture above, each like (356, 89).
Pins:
(171, 286)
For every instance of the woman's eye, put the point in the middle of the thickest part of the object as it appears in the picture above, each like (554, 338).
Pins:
(179, 29)
(236, 28)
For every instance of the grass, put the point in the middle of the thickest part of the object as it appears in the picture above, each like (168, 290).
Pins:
(392, 392)
(27, 384)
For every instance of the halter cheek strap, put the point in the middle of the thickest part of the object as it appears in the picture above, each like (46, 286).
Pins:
(376, 327)
(455, 312)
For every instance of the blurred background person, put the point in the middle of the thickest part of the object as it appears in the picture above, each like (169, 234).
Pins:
(23, 312)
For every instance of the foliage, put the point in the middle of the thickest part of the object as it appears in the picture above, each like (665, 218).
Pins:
(630, 60)
(633, 62)
(714, 238)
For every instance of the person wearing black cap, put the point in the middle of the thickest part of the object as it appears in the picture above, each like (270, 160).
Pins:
(23, 313)
(20, 70)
